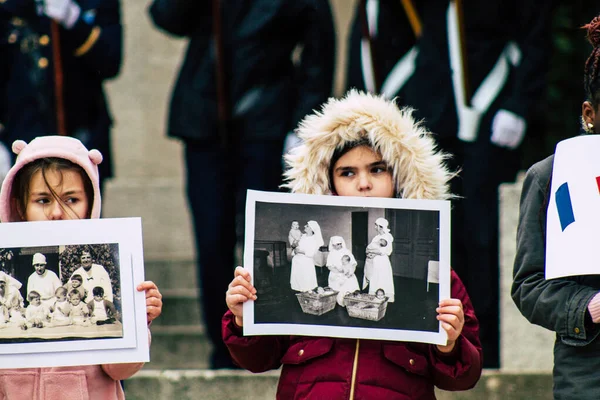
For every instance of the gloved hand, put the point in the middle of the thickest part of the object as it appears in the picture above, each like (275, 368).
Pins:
(65, 12)
(508, 129)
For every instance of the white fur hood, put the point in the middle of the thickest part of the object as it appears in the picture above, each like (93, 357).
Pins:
(418, 169)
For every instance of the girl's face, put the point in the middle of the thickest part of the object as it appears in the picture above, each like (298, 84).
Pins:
(36, 301)
(68, 186)
(295, 225)
(75, 283)
(61, 296)
(337, 246)
(362, 172)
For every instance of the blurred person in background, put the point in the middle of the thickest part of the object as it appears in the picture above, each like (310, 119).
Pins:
(252, 70)
(55, 55)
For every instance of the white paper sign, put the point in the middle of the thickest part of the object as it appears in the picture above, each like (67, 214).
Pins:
(573, 217)
(73, 338)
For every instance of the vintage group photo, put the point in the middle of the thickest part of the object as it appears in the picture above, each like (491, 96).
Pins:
(65, 292)
(349, 270)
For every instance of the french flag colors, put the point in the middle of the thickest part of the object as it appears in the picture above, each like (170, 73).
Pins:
(573, 211)
(564, 206)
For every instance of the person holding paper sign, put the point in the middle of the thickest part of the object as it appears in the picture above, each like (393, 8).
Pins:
(56, 178)
(363, 145)
(569, 306)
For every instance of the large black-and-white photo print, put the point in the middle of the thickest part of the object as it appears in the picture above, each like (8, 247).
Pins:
(368, 268)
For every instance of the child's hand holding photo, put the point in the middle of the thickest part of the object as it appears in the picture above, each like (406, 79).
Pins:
(153, 299)
(240, 291)
(450, 313)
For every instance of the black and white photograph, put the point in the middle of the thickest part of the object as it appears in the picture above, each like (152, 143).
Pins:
(67, 291)
(57, 293)
(347, 267)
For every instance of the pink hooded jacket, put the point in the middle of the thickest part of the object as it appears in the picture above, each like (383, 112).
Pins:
(87, 382)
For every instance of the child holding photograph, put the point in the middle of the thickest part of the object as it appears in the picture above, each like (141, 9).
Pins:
(76, 283)
(56, 178)
(37, 314)
(363, 145)
(341, 264)
(102, 311)
(61, 309)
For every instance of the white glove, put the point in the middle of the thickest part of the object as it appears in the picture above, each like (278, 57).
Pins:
(5, 161)
(291, 141)
(508, 129)
(65, 12)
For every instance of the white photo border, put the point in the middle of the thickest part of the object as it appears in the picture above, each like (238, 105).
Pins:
(441, 206)
(133, 345)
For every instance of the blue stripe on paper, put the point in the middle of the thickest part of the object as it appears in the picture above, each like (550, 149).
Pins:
(564, 206)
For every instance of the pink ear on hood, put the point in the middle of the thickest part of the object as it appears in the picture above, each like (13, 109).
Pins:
(18, 146)
(95, 156)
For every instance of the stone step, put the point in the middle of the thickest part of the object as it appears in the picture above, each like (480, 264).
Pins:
(234, 385)
(178, 347)
(180, 307)
(178, 274)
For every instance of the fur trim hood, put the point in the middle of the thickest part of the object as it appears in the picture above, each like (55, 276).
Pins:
(418, 168)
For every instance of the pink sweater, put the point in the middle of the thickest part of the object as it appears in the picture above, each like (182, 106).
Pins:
(86, 382)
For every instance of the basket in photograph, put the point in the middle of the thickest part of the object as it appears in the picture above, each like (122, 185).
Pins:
(365, 306)
(317, 303)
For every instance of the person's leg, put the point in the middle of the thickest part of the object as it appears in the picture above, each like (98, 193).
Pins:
(211, 197)
(475, 240)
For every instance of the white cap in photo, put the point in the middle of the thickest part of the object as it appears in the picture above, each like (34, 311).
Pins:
(39, 258)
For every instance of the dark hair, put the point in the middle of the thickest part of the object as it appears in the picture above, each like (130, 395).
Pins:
(591, 83)
(346, 257)
(75, 292)
(98, 291)
(33, 294)
(77, 277)
(384, 241)
(20, 188)
(339, 152)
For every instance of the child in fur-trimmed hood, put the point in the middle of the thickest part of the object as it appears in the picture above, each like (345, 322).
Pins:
(363, 145)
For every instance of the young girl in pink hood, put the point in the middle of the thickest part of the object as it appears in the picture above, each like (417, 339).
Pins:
(56, 178)
(362, 145)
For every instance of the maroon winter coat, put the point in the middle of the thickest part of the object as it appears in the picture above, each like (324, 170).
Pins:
(321, 368)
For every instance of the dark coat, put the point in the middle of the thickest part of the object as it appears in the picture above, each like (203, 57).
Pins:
(268, 94)
(321, 368)
(91, 53)
(556, 304)
(489, 26)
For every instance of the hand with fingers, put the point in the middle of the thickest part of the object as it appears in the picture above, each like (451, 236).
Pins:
(153, 299)
(240, 291)
(451, 315)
